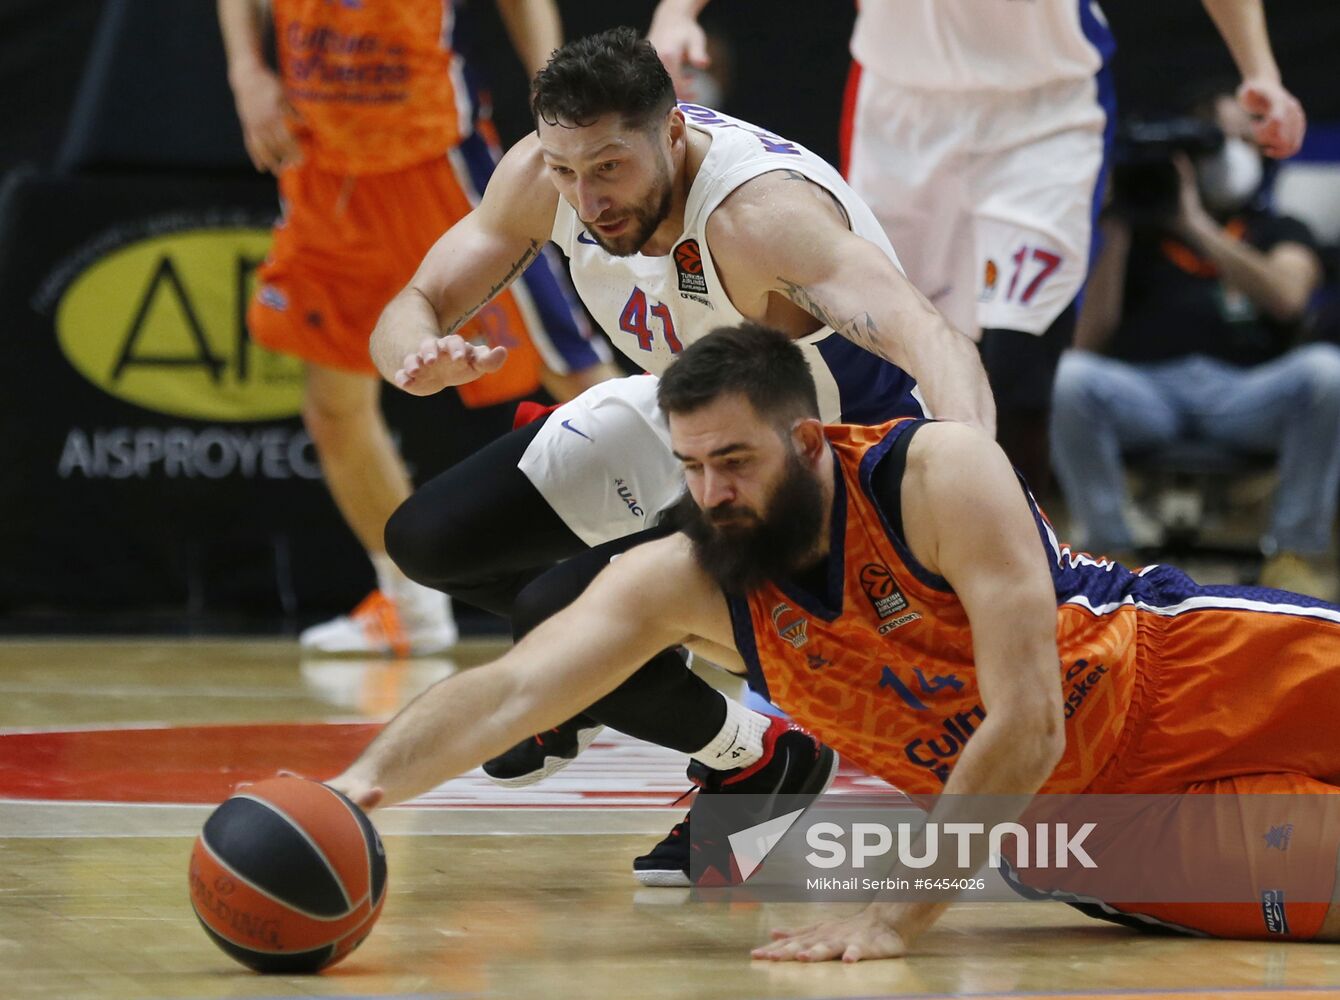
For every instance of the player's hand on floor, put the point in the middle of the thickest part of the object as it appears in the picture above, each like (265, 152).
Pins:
(861, 936)
(446, 361)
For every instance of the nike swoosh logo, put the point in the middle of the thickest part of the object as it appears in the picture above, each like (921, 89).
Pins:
(587, 238)
(735, 750)
(567, 426)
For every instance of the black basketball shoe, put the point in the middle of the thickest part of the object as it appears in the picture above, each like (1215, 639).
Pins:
(794, 762)
(543, 754)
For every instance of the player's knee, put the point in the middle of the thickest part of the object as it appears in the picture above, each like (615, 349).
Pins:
(327, 426)
(437, 545)
(549, 594)
(335, 406)
(411, 545)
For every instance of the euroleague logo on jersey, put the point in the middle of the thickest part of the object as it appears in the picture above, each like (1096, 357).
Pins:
(885, 597)
(689, 267)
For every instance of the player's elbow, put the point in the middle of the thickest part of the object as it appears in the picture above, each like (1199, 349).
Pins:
(1037, 749)
(1051, 743)
(1037, 738)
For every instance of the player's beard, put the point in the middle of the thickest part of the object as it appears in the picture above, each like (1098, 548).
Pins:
(645, 218)
(741, 550)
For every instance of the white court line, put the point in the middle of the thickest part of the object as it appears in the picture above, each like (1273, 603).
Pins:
(73, 820)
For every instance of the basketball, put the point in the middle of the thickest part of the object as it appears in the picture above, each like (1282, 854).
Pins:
(288, 876)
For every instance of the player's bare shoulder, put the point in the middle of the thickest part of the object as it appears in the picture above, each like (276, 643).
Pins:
(773, 226)
(779, 203)
(945, 455)
(520, 197)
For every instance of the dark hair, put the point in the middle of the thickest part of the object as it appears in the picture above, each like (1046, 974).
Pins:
(762, 364)
(615, 71)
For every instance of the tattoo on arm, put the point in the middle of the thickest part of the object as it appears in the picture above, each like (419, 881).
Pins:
(518, 265)
(860, 330)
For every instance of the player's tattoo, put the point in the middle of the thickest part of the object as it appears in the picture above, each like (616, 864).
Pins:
(518, 265)
(860, 330)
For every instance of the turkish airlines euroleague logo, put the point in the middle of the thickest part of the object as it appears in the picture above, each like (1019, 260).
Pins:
(689, 265)
(885, 597)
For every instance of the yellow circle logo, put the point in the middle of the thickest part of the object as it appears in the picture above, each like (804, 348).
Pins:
(161, 324)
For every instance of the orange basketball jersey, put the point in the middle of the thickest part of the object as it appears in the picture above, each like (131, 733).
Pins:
(375, 83)
(881, 667)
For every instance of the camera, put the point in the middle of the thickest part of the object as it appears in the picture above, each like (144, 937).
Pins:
(1144, 180)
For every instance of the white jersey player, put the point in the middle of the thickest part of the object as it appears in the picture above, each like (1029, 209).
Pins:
(976, 131)
(652, 307)
(678, 220)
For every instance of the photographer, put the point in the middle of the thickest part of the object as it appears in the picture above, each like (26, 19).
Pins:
(1195, 304)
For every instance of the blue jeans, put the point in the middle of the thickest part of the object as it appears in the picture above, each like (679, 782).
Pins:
(1289, 407)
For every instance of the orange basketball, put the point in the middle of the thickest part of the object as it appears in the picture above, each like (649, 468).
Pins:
(288, 876)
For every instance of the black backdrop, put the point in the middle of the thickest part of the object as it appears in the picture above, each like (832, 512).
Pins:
(115, 506)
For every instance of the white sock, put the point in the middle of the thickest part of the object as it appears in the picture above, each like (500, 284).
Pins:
(740, 742)
(418, 605)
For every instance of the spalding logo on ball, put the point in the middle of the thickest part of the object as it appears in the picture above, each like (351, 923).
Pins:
(288, 876)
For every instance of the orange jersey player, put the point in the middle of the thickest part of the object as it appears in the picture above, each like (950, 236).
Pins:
(896, 589)
(380, 136)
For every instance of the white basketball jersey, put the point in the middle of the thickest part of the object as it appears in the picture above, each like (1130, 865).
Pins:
(653, 307)
(980, 44)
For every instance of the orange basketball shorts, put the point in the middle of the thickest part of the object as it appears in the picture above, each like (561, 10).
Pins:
(1239, 695)
(346, 245)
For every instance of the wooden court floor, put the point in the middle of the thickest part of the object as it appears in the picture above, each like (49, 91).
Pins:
(110, 753)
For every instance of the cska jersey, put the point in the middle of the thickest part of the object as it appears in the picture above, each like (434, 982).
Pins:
(653, 307)
(977, 45)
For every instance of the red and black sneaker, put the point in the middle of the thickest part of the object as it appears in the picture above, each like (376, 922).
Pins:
(543, 754)
(794, 764)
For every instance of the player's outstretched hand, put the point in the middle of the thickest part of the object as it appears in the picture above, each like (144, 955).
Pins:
(1278, 122)
(366, 797)
(446, 361)
(861, 936)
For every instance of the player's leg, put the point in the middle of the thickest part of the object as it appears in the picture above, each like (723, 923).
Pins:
(480, 531)
(734, 749)
(368, 481)
(1021, 368)
(1034, 192)
(902, 156)
(319, 292)
(691, 706)
(1245, 857)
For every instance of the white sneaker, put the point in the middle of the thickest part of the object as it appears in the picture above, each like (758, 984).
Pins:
(377, 628)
